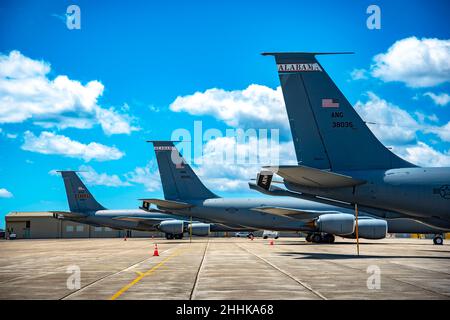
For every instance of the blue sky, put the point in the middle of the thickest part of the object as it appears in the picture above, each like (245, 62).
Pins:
(141, 57)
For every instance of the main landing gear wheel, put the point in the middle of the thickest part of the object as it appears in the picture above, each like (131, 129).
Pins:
(438, 240)
(169, 236)
(328, 238)
(179, 236)
(320, 238)
(317, 238)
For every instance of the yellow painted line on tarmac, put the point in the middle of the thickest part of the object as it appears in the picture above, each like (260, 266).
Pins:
(141, 275)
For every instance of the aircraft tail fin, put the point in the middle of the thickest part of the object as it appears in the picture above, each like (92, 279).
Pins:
(178, 179)
(327, 131)
(78, 196)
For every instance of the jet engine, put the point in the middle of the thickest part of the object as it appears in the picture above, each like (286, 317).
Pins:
(372, 228)
(171, 226)
(336, 223)
(200, 229)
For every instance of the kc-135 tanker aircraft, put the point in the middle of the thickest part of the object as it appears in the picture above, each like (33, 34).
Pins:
(85, 209)
(340, 161)
(340, 164)
(186, 195)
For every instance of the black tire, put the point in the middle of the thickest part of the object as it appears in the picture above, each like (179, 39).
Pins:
(317, 238)
(265, 237)
(276, 238)
(308, 237)
(179, 236)
(169, 236)
(329, 238)
(439, 241)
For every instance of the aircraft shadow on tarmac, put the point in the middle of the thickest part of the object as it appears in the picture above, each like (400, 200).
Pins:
(349, 243)
(339, 256)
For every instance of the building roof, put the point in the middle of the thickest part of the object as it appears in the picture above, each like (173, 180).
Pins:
(29, 214)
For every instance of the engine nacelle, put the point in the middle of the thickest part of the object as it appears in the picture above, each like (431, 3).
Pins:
(201, 229)
(372, 228)
(171, 226)
(336, 223)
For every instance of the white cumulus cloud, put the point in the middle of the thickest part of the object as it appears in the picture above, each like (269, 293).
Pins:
(148, 176)
(256, 106)
(26, 92)
(93, 178)
(396, 128)
(222, 172)
(358, 74)
(5, 193)
(51, 143)
(393, 125)
(441, 99)
(443, 132)
(416, 62)
(424, 155)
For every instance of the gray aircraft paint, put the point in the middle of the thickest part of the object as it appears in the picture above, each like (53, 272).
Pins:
(332, 136)
(88, 210)
(238, 210)
(184, 183)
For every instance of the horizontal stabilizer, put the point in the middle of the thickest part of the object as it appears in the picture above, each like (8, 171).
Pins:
(166, 204)
(68, 214)
(273, 181)
(293, 213)
(311, 177)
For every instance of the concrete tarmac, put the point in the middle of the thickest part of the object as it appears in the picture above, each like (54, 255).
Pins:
(224, 269)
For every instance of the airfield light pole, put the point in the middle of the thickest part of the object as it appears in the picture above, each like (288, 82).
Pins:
(356, 228)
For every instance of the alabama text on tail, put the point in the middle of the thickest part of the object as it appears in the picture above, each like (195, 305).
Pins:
(327, 131)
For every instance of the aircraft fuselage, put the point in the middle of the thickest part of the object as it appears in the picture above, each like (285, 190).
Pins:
(422, 193)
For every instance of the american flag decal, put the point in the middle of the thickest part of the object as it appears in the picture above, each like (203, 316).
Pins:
(330, 103)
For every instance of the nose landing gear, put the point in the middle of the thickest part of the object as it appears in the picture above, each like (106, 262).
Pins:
(438, 240)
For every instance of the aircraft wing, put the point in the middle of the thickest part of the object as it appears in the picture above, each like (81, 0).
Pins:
(292, 213)
(312, 177)
(150, 221)
(166, 204)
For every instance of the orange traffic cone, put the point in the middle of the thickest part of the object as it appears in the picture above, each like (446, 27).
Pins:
(271, 242)
(156, 253)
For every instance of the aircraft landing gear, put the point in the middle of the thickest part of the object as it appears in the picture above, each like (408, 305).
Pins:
(170, 236)
(320, 238)
(317, 238)
(328, 238)
(438, 240)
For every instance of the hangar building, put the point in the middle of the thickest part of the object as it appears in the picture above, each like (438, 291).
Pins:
(42, 225)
